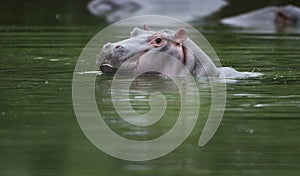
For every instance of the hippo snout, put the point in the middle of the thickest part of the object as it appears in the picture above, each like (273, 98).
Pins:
(107, 46)
(104, 62)
(111, 57)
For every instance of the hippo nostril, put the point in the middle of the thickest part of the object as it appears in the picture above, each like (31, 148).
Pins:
(118, 46)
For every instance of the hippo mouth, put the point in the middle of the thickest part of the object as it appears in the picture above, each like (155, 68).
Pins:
(108, 67)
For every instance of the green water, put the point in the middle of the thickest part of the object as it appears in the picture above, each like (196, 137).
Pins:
(40, 135)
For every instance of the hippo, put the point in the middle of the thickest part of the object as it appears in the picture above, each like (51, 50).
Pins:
(277, 17)
(115, 10)
(141, 49)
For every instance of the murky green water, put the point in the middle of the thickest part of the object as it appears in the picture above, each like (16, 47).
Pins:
(259, 133)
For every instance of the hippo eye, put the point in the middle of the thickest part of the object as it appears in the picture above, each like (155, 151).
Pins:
(158, 40)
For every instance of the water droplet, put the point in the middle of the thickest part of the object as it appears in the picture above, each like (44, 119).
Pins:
(53, 60)
(38, 58)
(57, 16)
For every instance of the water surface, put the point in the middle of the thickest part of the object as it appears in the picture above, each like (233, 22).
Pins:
(40, 134)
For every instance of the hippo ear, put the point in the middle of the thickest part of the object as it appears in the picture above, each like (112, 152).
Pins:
(180, 35)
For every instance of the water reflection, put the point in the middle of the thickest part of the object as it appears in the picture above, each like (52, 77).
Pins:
(140, 91)
(114, 10)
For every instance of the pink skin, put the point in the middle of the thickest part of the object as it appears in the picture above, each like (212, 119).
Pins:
(139, 43)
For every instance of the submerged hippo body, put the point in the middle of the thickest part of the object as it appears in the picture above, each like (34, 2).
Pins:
(145, 48)
(277, 17)
(115, 10)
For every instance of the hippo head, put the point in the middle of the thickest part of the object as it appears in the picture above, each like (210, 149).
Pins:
(168, 52)
(138, 45)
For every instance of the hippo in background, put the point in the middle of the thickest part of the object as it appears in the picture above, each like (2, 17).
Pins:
(186, 10)
(145, 47)
(277, 18)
